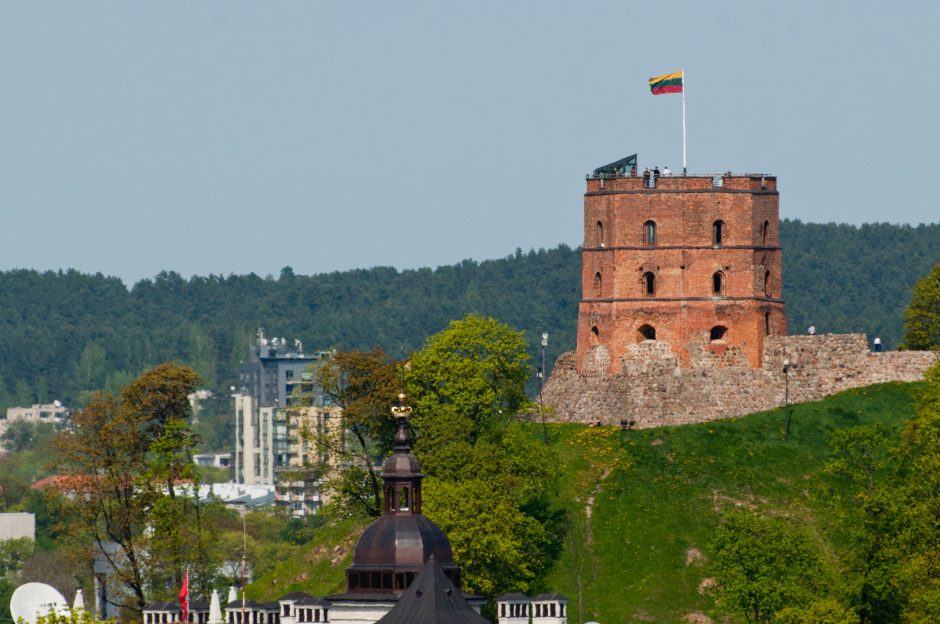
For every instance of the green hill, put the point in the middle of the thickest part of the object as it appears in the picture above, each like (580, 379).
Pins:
(657, 496)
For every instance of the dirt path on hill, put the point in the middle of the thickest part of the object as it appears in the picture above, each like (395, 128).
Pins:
(589, 504)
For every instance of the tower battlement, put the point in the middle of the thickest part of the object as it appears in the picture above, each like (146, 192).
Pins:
(694, 182)
(687, 262)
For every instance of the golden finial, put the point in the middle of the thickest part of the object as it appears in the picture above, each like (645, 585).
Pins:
(401, 410)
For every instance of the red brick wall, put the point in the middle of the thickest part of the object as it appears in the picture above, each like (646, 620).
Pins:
(684, 307)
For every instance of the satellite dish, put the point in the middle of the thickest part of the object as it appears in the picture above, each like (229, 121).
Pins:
(32, 600)
(57, 403)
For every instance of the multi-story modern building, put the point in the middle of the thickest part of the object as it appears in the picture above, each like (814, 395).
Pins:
(277, 399)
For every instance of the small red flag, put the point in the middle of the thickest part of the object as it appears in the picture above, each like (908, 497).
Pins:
(184, 595)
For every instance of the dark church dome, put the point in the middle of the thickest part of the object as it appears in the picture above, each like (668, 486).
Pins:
(402, 540)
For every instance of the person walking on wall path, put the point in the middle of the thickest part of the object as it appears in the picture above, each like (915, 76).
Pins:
(812, 330)
(877, 344)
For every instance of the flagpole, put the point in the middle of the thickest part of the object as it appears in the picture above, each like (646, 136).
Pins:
(684, 169)
(244, 557)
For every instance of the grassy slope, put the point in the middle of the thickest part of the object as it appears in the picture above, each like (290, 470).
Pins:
(317, 568)
(664, 494)
(647, 517)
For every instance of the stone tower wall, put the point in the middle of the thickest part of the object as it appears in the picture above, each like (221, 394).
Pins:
(652, 389)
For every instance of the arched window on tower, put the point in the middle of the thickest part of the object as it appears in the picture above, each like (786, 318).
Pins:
(595, 336)
(649, 283)
(597, 284)
(718, 232)
(405, 503)
(767, 283)
(647, 332)
(766, 323)
(765, 232)
(649, 233)
(717, 333)
(718, 283)
(599, 234)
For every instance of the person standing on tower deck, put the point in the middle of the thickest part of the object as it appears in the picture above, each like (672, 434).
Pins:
(646, 177)
(877, 344)
(666, 171)
(811, 330)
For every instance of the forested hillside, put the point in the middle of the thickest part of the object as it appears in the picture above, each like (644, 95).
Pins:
(65, 333)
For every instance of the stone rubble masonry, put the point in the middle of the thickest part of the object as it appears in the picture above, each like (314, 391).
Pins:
(652, 389)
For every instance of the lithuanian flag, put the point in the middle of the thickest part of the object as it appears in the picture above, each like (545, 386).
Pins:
(667, 83)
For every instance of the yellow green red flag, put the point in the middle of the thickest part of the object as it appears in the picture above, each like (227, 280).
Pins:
(667, 83)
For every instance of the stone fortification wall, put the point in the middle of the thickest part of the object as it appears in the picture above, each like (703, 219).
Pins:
(653, 390)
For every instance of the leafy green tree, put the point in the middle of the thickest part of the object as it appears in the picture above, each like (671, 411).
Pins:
(24, 394)
(124, 459)
(496, 544)
(477, 368)
(915, 543)
(91, 368)
(22, 435)
(762, 565)
(488, 480)
(922, 318)
(862, 474)
(365, 385)
(80, 616)
(825, 611)
(13, 553)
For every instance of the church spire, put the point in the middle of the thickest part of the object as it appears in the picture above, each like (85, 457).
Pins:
(402, 471)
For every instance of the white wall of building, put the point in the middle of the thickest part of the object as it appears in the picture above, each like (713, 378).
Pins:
(17, 526)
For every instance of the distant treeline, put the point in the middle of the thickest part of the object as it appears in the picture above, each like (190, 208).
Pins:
(63, 334)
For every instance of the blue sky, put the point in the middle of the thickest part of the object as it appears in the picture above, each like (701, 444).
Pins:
(234, 137)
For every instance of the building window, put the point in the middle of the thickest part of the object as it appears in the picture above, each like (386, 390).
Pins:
(599, 234)
(766, 323)
(718, 282)
(649, 233)
(647, 332)
(649, 283)
(718, 232)
(404, 499)
(597, 284)
(764, 232)
(595, 335)
(767, 283)
(718, 333)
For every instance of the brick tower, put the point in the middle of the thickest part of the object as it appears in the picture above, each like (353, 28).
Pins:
(692, 265)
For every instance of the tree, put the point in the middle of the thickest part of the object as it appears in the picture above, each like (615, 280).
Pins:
(477, 368)
(23, 435)
(73, 616)
(825, 611)
(915, 540)
(12, 555)
(922, 318)
(863, 473)
(365, 385)
(125, 458)
(761, 566)
(488, 480)
(496, 544)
